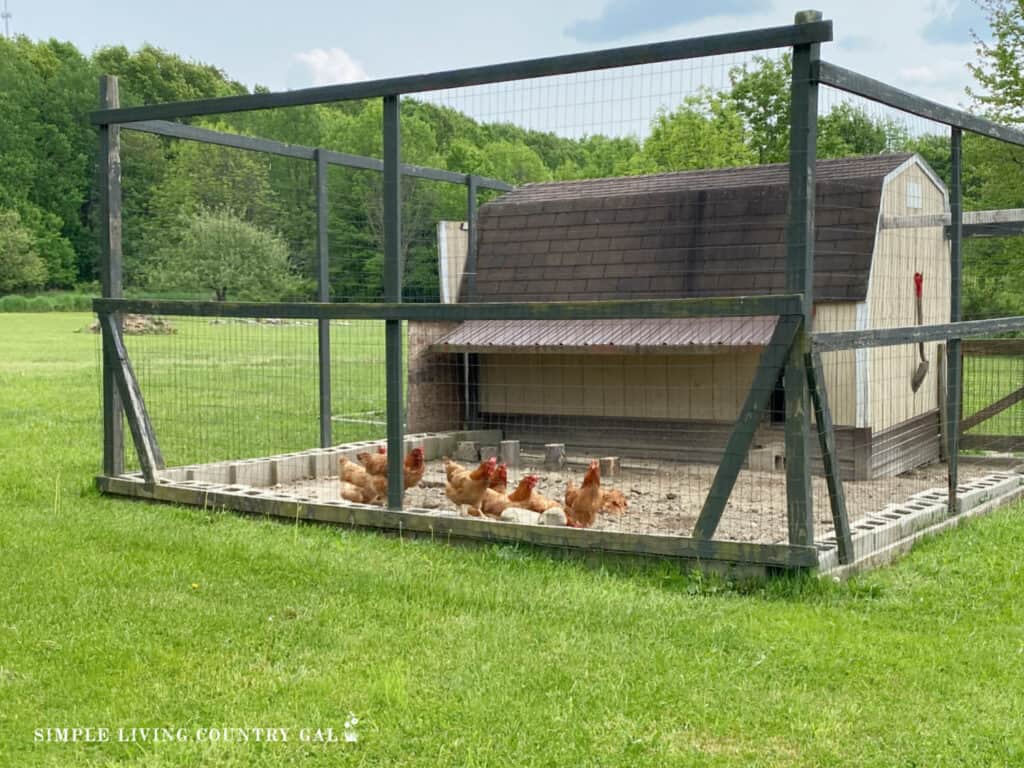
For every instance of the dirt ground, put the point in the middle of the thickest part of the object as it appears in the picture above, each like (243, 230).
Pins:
(666, 498)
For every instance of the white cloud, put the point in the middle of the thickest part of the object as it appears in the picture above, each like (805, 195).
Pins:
(330, 66)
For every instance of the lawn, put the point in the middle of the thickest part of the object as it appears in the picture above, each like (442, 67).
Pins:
(128, 615)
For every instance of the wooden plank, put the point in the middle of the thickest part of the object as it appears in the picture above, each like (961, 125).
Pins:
(773, 358)
(826, 441)
(1006, 229)
(324, 295)
(297, 151)
(803, 150)
(697, 47)
(954, 356)
(393, 268)
(993, 347)
(1001, 443)
(444, 527)
(730, 306)
(109, 198)
(913, 334)
(989, 411)
(1014, 216)
(875, 90)
(143, 435)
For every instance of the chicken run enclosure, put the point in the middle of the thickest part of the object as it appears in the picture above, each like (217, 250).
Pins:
(747, 364)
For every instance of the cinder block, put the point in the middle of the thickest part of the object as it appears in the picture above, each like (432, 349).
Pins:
(468, 450)
(770, 458)
(488, 452)
(609, 466)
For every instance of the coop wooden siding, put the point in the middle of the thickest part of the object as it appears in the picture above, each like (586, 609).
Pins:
(711, 233)
(840, 368)
(618, 386)
(901, 253)
(695, 441)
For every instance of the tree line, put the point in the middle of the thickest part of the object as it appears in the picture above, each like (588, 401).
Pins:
(184, 201)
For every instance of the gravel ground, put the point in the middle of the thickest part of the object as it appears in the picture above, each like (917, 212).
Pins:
(666, 498)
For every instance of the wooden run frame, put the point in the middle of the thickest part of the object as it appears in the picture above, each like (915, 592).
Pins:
(788, 349)
(793, 349)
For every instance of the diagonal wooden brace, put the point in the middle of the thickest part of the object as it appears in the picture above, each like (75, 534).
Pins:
(826, 439)
(150, 458)
(773, 358)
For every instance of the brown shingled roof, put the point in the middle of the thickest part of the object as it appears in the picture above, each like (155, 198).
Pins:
(677, 235)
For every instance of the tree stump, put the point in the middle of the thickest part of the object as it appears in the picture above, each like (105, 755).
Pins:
(554, 456)
(509, 450)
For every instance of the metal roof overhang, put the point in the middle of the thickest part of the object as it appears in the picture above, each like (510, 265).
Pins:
(641, 336)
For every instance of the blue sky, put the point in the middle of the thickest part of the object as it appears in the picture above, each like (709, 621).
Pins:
(921, 45)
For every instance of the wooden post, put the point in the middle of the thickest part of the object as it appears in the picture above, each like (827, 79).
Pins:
(469, 293)
(800, 279)
(110, 272)
(954, 360)
(323, 295)
(773, 358)
(829, 458)
(393, 292)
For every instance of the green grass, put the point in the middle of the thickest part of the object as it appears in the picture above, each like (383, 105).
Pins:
(123, 614)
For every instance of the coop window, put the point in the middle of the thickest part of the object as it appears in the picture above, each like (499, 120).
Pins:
(914, 196)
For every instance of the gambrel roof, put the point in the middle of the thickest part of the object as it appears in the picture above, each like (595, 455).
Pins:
(678, 235)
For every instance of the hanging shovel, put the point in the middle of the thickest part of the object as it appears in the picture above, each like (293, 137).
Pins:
(922, 367)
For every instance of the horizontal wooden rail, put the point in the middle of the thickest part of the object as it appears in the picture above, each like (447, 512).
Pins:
(913, 334)
(730, 306)
(875, 90)
(993, 348)
(691, 48)
(270, 147)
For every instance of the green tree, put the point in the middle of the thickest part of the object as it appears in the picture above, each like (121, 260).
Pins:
(20, 266)
(848, 131)
(706, 132)
(760, 94)
(999, 70)
(221, 252)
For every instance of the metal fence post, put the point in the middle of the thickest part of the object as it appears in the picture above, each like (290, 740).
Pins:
(800, 279)
(954, 360)
(323, 295)
(110, 272)
(393, 292)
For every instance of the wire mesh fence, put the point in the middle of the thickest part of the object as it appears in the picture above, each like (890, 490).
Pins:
(660, 181)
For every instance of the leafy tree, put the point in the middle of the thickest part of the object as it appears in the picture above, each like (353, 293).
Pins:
(512, 162)
(221, 252)
(849, 131)
(706, 132)
(20, 266)
(999, 71)
(760, 94)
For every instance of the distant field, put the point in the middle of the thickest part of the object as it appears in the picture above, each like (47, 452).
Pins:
(986, 380)
(123, 614)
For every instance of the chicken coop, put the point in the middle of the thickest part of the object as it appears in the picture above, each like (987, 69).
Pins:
(746, 367)
(695, 235)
